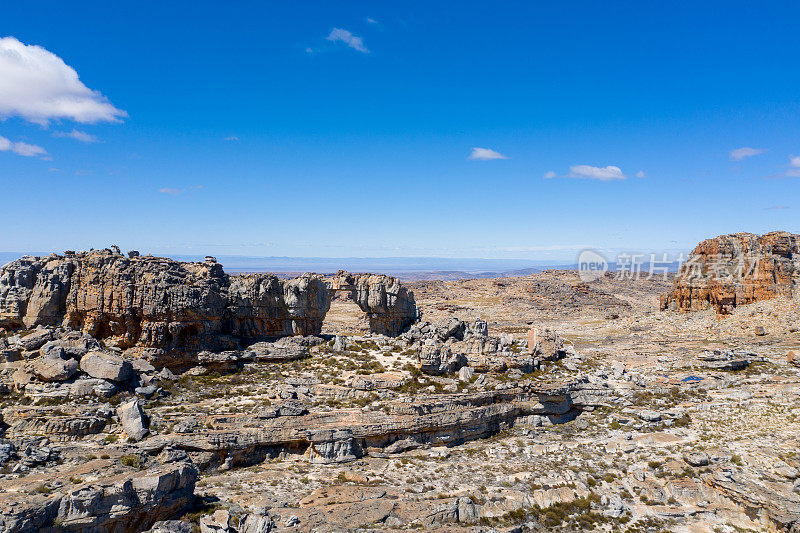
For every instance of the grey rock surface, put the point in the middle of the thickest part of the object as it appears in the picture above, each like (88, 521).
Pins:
(103, 365)
(132, 417)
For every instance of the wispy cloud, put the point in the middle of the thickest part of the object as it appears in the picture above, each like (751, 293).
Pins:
(231, 138)
(641, 174)
(485, 154)
(342, 35)
(175, 191)
(371, 20)
(550, 174)
(776, 207)
(608, 173)
(77, 135)
(794, 168)
(744, 152)
(22, 148)
(39, 86)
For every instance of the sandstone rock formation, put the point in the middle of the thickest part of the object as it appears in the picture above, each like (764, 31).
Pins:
(452, 344)
(732, 270)
(347, 434)
(389, 306)
(160, 306)
(131, 502)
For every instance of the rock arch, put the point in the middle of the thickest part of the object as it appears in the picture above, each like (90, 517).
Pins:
(390, 307)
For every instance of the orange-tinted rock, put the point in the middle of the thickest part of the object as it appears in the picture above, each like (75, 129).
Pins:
(737, 269)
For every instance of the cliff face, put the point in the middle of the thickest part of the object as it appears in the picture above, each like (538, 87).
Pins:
(736, 269)
(153, 302)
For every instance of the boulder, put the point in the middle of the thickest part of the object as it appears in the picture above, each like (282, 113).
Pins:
(133, 420)
(649, 416)
(7, 451)
(73, 344)
(7, 353)
(104, 365)
(696, 458)
(291, 408)
(439, 359)
(218, 522)
(727, 359)
(92, 387)
(546, 344)
(22, 378)
(171, 526)
(36, 339)
(54, 368)
(466, 373)
(256, 523)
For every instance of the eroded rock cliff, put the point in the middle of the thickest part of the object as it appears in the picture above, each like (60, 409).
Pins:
(154, 303)
(737, 269)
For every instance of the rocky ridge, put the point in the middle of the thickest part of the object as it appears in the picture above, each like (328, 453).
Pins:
(163, 309)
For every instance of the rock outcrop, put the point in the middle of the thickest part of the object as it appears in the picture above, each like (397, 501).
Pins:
(731, 270)
(452, 344)
(125, 503)
(160, 306)
(348, 434)
(389, 306)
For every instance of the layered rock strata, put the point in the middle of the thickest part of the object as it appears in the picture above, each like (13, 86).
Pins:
(348, 434)
(731, 270)
(154, 303)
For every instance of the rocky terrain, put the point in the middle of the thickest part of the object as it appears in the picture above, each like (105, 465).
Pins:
(144, 394)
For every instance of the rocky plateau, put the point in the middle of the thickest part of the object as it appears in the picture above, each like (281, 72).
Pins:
(145, 394)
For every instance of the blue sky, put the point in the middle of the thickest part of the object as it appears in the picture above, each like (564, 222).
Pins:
(341, 129)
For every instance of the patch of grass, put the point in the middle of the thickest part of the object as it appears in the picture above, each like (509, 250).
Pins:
(130, 460)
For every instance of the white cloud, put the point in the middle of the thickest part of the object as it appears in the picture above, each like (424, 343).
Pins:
(356, 43)
(596, 173)
(794, 160)
(21, 148)
(744, 152)
(81, 136)
(549, 175)
(485, 154)
(641, 174)
(371, 20)
(231, 138)
(37, 85)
